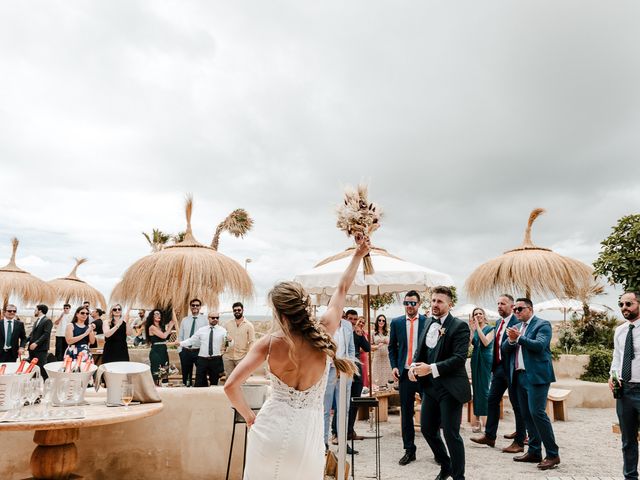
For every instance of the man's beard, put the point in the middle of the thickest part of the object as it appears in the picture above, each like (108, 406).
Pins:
(238, 315)
(631, 317)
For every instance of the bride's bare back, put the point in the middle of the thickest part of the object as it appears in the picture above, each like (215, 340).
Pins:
(310, 367)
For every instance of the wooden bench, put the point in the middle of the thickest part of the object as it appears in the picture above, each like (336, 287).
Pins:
(383, 406)
(470, 408)
(557, 405)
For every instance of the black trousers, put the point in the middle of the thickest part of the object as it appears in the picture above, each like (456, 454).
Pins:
(42, 361)
(628, 410)
(210, 367)
(188, 359)
(356, 391)
(408, 390)
(499, 384)
(440, 408)
(61, 347)
(7, 356)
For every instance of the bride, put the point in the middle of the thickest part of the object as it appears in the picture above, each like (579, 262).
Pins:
(286, 438)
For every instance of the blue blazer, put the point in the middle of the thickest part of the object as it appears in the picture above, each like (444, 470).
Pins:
(505, 356)
(347, 339)
(398, 341)
(536, 352)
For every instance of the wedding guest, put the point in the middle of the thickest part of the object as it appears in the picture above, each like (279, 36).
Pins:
(481, 358)
(115, 333)
(440, 368)
(381, 374)
(403, 343)
(188, 327)
(12, 335)
(157, 331)
(61, 329)
(363, 347)
(79, 333)
(363, 355)
(626, 366)
(501, 382)
(138, 328)
(243, 335)
(211, 339)
(40, 337)
(532, 372)
(96, 319)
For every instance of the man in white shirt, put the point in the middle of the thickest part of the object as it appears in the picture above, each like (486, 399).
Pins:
(626, 366)
(211, 339)
(61, 326)
(188, 327)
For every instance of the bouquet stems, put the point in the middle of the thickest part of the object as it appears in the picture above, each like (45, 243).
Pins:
(368, 265)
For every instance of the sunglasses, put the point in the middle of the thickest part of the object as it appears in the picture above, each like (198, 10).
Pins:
(83, 313)
(117, 309)
(478, 313)
(407, 303)
(519, 309)
(214, 318)
(381, 320)
(11, 311)
(237, 310)
(625, 304)
(197, 305)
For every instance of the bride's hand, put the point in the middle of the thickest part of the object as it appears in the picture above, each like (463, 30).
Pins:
(364, 245)
(250, 420)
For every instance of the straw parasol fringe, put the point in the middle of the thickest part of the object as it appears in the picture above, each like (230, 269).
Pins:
(180, 272)
(15, 282)
(532, 271)
(71, 289)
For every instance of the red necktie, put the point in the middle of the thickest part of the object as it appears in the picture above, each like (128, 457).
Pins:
(410, 356)
(496, 343)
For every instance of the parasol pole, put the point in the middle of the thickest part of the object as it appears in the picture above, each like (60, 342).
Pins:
(367, 317)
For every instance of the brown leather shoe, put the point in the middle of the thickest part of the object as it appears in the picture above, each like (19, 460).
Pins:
(484, 440)
(528, 457)
(513, 448)
(548, 463)
(355, 437)
(510, 436)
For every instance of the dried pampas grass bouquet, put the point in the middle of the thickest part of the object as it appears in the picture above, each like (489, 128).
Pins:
(357, 217)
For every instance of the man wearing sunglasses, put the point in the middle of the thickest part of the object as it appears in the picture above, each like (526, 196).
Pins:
(188, 327)
(531, 371)
(40, 337)
(500, 382)
(12, 335)
(403, 343)
(243, 335)
(626, 365)
(439, 368)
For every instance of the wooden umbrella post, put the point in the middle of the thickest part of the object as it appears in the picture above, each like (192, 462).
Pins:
(367, 317)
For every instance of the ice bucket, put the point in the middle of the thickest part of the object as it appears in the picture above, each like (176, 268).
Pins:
(115, 373)
(255, 394)
(9, 379)
(76, 380)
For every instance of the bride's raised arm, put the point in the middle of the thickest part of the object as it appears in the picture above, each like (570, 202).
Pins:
(331, 318)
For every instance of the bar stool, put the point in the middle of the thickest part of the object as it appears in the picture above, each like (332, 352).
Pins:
(369, 402)
(238, 420)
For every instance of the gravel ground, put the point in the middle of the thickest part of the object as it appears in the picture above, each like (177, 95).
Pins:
(588, 450)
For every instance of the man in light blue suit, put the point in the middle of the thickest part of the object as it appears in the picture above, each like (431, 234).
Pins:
(403, 344)
(531, 371)
(346, 349)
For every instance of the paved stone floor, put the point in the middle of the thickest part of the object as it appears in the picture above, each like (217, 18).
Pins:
(588, 450)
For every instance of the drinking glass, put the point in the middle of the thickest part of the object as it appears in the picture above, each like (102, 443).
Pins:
(127, 394)
(62, 392)
(47, 396)
(14, 399)
(34, 391)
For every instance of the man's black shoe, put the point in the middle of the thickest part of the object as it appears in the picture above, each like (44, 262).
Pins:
(351, 452)
(408, 458)
(443, 475)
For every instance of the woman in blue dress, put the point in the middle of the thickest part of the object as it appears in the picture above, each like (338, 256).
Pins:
(79, 334)
(481, 360)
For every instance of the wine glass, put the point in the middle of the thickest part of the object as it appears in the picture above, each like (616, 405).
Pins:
(127, 394)
(34, 391)
(14, 398)
(76, 393)
(47, 396)
(62, 392)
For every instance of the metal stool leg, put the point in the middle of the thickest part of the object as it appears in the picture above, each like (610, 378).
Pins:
(244, 455)
(233, 434)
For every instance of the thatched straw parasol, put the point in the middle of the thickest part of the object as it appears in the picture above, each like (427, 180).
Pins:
(177, 273)
(15, 282)
(71, 289)
(530, 270)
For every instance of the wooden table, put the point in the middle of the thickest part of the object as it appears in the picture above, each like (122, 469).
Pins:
(56, 455)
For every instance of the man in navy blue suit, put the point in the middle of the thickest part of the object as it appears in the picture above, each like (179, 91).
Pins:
(500, 382)
(403, 343)
(532, 372)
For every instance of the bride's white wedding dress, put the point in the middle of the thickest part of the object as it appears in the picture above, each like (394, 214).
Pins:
(287, 439)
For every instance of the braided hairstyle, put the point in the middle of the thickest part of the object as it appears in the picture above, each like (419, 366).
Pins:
(291, 306)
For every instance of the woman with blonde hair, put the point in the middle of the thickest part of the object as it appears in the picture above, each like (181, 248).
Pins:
(481, 361)
(286, 438)
(115, 333)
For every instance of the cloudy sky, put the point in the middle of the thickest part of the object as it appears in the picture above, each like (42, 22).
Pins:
(461, 116)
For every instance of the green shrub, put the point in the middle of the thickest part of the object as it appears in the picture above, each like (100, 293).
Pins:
(598, 368)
